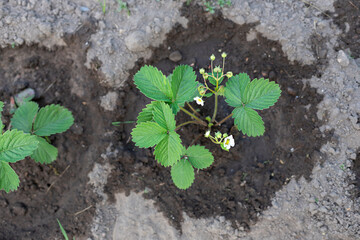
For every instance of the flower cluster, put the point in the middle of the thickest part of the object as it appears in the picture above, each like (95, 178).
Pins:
(224, 140)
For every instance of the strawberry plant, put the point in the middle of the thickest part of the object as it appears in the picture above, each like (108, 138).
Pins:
(29, 137)
(156, 125)
(42, 123)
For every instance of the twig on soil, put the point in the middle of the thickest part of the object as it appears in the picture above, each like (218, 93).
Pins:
(354, 5)
(57, 179)
(47, 89)
(317, 8)
(79, 212)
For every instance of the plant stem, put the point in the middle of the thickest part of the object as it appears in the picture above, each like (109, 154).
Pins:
(192, 115)
(223, 120)
(212, 69)
(222, 73)
(192, 109)
(216, 107)
(185, 123)
(208, 87)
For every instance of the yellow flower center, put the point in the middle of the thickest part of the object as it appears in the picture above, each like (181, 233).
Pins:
(227, 142)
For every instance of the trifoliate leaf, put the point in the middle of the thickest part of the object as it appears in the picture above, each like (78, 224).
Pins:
(183, 84)
(9, 180)
(235, 88)
(168, 151)
(146, 115)
(182, 174)
(164, 116)
(45, 153)
(153, 84)
(24, 116)
(261, 94)
(148, 134)
(248, 121)
(199, 156)
(16, 145)
(52, 119)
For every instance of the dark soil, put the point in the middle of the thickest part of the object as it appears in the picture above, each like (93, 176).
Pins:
(241, 183)
(348, 12)
(58, 190)
(356, 170)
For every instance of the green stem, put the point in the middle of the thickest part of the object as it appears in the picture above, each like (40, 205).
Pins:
(207, 87)
(212, 68)
(223, 120)
(185, 123)
(192, 115)
(222, 73)
(192, 109)
(216, 107)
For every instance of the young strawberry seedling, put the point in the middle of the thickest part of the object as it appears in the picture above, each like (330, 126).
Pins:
(156, 125)
(29, 137)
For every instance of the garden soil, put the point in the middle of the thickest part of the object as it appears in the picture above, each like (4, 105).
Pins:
(298, 181)
(58, 190)
(240, 183)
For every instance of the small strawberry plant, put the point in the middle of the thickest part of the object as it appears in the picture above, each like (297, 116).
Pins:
(29, 137)
(156, 125)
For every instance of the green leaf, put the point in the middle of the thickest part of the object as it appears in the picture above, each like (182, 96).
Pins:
(248, 121)
(209, 94)
(261, 94)
(168, 151)
(45, 153)
(199, 156)
(235, 88)
(24, 116)
(213, 81)
(147, 134)
(175, 107)
(183, 84)
(164, 116)
(63, 230)
(153, 84)
(9, 180)
(182, 174)
(1, 124)
(52, 119)
(146, 115)
(16, 145)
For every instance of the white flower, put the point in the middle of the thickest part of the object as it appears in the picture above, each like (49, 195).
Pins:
(207, 134)
(229, 142)
(199, 101)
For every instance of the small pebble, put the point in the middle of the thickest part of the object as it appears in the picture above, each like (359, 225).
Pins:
(175, 56)
(343, 59)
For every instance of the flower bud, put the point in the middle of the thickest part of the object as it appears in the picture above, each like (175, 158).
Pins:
(218, 134)
(217, 69)
(229, 74)
(206, 76)
(202, 71)
(225, 135)
(212, 57)
(223, 55)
